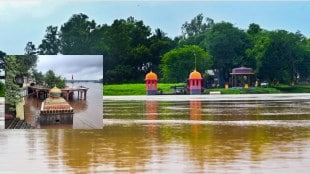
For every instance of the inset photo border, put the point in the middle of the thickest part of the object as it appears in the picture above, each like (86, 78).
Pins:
(53, 91)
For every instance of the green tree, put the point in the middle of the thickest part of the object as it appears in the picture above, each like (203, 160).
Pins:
(76, 35)
(2, 64)
(38, 76)
(196, 26)
(254, 29)
(30, 49)
(128, 50)
(283, 54)
(25, 64)
(12, 95)
(260, 39)
(159, 45)
(50, 44)
(51, 80)
(303, 67)
(227, 45)
(178, 63)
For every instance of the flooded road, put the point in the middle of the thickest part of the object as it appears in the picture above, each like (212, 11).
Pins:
(87, 113)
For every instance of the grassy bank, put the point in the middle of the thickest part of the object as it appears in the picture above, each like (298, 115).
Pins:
(293, 89)
(139, 89)
(133, 89)
(244, 91)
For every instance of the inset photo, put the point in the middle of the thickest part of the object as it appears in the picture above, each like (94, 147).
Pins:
(2, 88)
(53, 91)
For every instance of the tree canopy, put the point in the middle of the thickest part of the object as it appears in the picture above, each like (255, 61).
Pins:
(178, 63)
(12, 94)
(130, 48)
(51, 80)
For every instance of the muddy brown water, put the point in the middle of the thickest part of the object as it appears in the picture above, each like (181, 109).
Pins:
(172, 136)
(87, 113)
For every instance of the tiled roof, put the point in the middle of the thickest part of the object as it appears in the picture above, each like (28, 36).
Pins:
(56, 105)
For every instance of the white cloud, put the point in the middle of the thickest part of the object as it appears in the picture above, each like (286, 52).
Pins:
(83, 67)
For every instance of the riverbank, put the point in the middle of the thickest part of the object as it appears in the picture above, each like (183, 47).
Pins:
(139, 89)
(256, 97)
(134, 89)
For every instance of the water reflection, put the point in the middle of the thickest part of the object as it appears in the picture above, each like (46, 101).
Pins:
(151, 110)
(207, 110)
(201, 136)
(195, 114)
(172, 148)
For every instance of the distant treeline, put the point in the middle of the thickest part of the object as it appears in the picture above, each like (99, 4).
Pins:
(130, 49)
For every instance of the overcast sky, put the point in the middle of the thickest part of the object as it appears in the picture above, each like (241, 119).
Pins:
(26, 20)
(82, 67)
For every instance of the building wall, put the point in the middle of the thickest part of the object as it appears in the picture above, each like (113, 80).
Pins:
(55, 119)
(20, 110)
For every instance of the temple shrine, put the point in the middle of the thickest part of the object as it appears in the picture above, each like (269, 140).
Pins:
(55, 109)
(67, 92)
(151, 83)
(195, 80)
(242, 77)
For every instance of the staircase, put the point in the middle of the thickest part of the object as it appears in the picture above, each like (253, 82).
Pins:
(16, 123)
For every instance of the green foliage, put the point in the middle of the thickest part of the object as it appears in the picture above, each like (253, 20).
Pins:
(178, 63)
(293, 89)
(2, 64)
(196, 26)
(159, 45)
(257, 51)
(254, 29)
(139, 89)
(2, 89)
(130, 50)
(38, 76)
(283, 54)
(244, 91)
(51, 80)
(227, 45)
(128, 46)
(303, 67)
(12, 94)
(24, 64)
(76, 35)
(30, 49)
(50, 43)
(133, 89)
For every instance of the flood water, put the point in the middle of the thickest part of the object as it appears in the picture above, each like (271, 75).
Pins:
(87, 113)
(171, 134)
(209, 134)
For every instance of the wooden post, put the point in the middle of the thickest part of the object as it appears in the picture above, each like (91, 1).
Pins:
(85, 95)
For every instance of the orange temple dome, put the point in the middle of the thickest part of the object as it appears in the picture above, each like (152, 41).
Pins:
(151, 76)
(195, 75)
